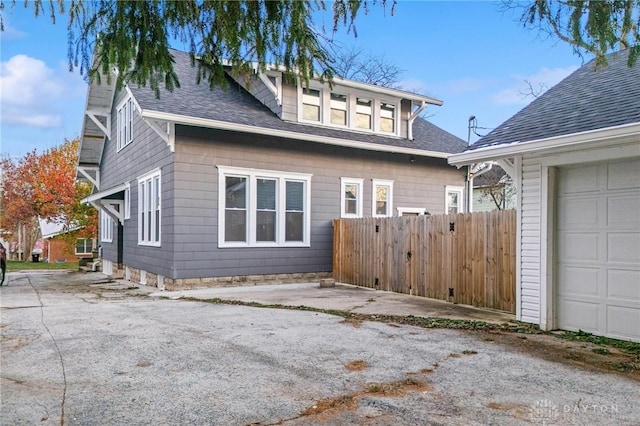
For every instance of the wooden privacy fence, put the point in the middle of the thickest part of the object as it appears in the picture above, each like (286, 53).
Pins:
(467, 258)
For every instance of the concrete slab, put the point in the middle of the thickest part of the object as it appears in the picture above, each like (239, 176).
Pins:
(343, 297)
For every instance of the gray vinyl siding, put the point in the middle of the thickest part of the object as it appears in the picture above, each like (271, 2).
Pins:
(198, 151)
(261, 92)
(289, 102)
(146, 153)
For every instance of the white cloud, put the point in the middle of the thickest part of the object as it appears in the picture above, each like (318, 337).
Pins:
(33, 120)
(518, 91)
(32, 93)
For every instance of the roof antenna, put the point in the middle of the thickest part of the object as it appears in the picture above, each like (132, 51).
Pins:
(472, 123)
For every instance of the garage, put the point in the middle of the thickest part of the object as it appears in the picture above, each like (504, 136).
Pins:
(597, 256)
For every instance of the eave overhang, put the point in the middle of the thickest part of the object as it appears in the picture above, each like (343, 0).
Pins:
(623, 134)
(224, 125)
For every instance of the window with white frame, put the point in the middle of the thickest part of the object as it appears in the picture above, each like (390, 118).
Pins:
(124, 124)
(84, 245)
(351, 197)
(387, 117)
(364, 111)
(127, 201)
(338, 108)
(382, 198)
(263, 208)
(454, 201)
(106, 227)
(149, 218)
(311, 101)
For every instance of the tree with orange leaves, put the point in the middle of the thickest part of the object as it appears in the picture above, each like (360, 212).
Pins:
(44, 186)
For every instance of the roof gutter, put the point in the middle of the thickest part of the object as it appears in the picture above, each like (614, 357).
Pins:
(625, 131)
(224, 125)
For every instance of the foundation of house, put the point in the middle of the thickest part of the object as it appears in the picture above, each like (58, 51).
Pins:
(142, 277)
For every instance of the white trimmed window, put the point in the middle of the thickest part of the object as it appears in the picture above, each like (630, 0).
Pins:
(338, 108)
(382, 198)
(263, 208)
(364, 112)
(387, 117)
(84, 245)
(351, 197)
(127, 201)
(125, 123)
(106, 227)
(311, 102)
(149, 220)
(454, 201)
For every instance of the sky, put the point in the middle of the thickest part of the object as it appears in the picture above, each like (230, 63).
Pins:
(473, 56)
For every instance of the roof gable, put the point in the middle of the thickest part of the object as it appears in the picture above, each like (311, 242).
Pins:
(586, 100)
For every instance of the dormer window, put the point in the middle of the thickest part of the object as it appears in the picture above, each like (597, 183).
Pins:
(363, 113)
(338, 109)
(311, 104)
(387, 117)
(347, 107)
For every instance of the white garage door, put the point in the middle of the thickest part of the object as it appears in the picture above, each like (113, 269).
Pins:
(598, 249)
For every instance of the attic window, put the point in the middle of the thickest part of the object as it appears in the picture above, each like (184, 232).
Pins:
(363, 114)
(311, 104)
(338, 109)
(387, 117)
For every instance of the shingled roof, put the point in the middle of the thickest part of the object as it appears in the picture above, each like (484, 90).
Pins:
(233, 104)
(588, 99)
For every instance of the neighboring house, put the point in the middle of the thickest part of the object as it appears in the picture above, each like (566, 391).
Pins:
(59, 249)
(574, 154)
(205, 187)
(493, 190)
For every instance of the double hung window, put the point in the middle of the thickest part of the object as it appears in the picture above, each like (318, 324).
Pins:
(311, 105)
(124, 124)
(454, 199)
(382, 198)
(149, 209)
(338, 109)
(106, 227)
(351, 201)
(387, 117)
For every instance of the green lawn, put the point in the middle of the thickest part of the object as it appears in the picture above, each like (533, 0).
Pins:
(15, 265)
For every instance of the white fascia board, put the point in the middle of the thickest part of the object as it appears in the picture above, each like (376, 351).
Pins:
(352, 83)
(575, 140)
(224, 125)
(102, 194)
(387, 91)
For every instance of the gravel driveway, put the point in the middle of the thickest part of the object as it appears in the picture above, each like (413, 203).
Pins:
(79, 352)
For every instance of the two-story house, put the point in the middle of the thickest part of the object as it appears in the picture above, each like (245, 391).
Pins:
(206, 187)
